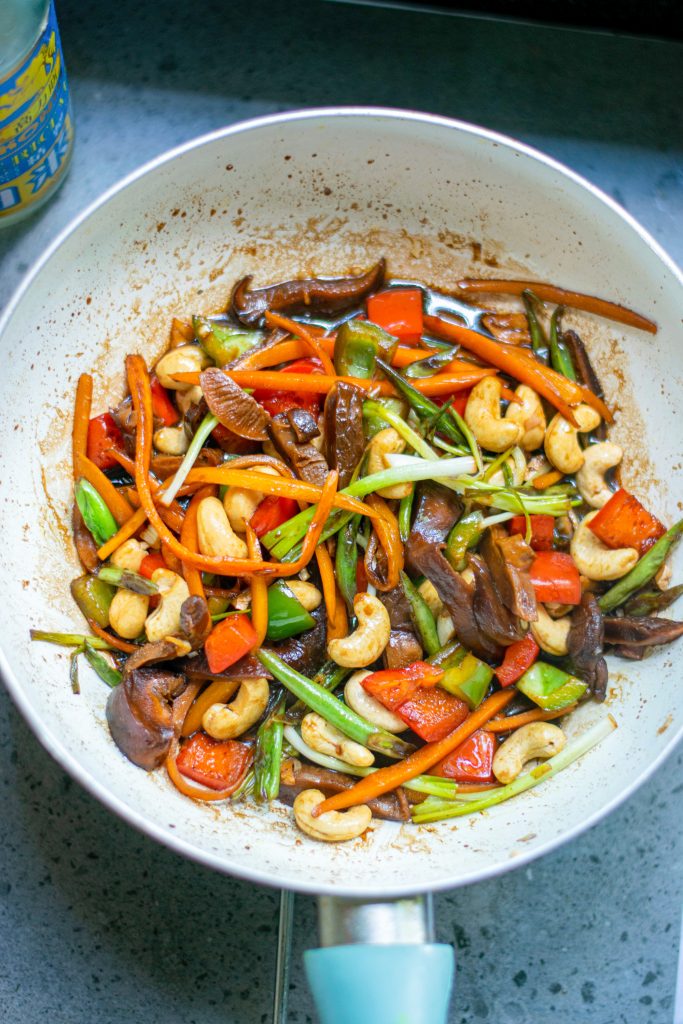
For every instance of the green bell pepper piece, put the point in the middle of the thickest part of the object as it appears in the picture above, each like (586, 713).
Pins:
(467, 678)
(222, 343)
(286, 615)
(96, 514)
(550, 687)
(356, 346)
(94, 597)
(464, 536)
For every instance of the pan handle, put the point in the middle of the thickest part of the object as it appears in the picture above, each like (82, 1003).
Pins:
(379, 964)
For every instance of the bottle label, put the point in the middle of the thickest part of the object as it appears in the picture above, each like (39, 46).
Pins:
(36, 130)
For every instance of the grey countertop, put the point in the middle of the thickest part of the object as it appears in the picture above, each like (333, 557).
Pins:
(98, 925)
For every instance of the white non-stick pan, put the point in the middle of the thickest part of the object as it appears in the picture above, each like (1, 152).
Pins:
(326, 192)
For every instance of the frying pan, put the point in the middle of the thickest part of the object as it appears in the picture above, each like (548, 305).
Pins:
(324, 192)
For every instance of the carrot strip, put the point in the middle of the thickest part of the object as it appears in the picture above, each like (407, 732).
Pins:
(139, 385)
(188, 789)
(259, 589)
(448, 382)
(129, 528)
(338, 626)
(460, 374)
(115, 502)
(286, 487)
(535, 715)
(188, 537)
(219, 691)
(388, 534)
(310, 341)
(114, 641)
(328, 581)
(561, 296)
(82, 409)
(558, 390)
(540, 483)
(287, 351)
(418, 763)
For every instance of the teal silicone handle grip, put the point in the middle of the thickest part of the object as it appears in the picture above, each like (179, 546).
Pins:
(377, 984)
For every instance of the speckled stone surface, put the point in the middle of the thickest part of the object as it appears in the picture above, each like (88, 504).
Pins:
(98, 925)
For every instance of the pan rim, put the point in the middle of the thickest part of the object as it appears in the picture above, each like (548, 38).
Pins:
(53, 744)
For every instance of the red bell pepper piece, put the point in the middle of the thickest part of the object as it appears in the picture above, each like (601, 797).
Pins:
(624, 523)
(393, 686)
(398, 311)
(162, 406)
(472, 761)
(542, 530)
(555, 578)
(150, 563)
(433, 713)
(103, 435)
(271, 513)
(229, 641)
(275, 402)
(518, 658)
(218, 764)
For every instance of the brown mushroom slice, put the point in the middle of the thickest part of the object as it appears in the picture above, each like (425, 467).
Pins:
(83, 539)
(438, 510)
(402, 649)
(303, 424)
(140, 714)
(509, 559)
(306, 461)
(313, 295)
(195, 621)
(493, 618)
(232, 406)
(295, 777)
(641, 632)
(585, 643)
(197, 669)
(344, 437)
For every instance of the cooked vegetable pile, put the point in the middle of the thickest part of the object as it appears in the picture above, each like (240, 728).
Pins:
(363, 561)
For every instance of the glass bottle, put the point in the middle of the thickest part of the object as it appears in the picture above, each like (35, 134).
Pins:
(36, 128)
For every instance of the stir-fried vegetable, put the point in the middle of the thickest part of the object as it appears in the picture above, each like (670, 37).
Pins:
(362, 557)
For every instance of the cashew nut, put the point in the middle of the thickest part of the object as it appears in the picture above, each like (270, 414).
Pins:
(536, 740)
(192, 396)
(530, 416)
(370, 637)
(240, 503)
(594, 559)
(129, 555)
(387, 442)
(225, 721)
(185, 359)
(590, 479)
(482, 415)
(332, 826)
(561, 438)
(363, 703)
(663, 576)
(445, 630)
(171, 440)
(551, 634)
(127, 613)
(214, 532)
(306, 594)
(165, 619)
(429, 593)
(326, 739)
